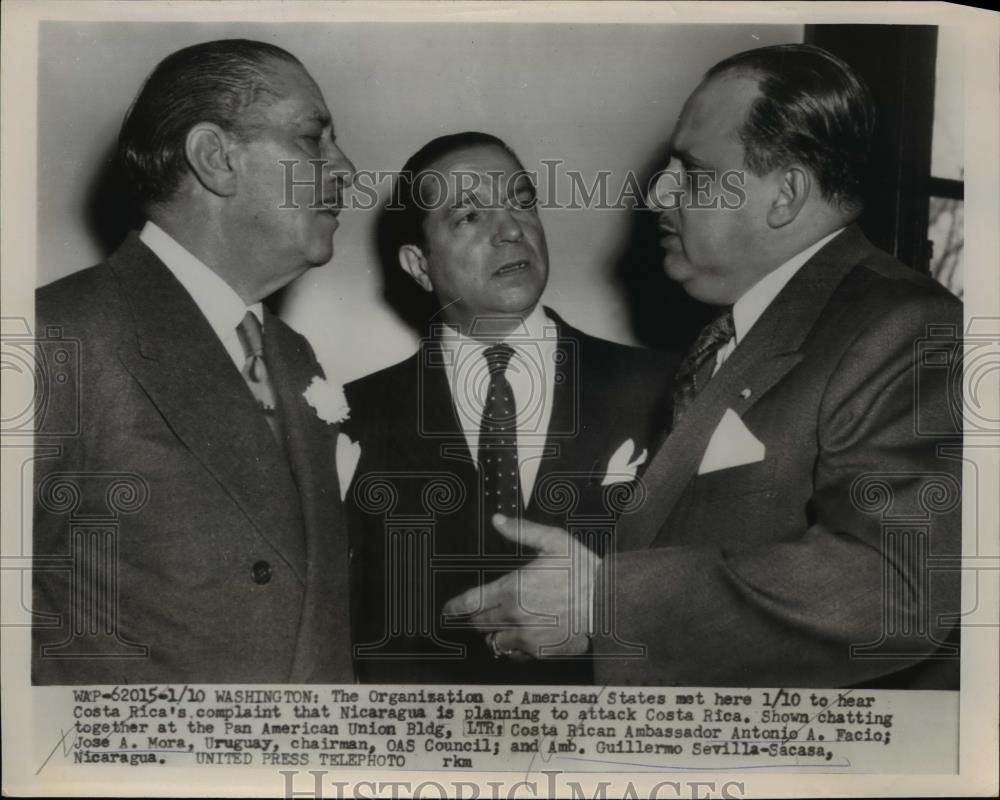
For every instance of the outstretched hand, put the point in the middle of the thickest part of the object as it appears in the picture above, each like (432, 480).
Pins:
(542, 609)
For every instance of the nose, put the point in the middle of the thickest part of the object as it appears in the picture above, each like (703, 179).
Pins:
(666, 190)
(341, 168)
(508, 229)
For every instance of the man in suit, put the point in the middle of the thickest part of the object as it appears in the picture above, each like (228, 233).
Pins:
(801, 526)
(504, 407)
(192, 530)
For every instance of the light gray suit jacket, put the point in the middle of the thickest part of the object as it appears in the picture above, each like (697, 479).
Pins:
(174, 541)
(831, 561)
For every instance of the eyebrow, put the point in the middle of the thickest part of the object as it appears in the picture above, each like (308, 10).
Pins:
(686, 157)
(317, 116)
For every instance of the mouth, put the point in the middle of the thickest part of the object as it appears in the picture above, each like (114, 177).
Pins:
(513, 267)
(329, 210)
(331, 202)
(667, 235)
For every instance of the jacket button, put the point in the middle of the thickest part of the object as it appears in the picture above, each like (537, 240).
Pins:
(261, 572)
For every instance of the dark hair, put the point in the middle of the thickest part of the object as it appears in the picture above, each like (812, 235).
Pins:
(812, 109)
(210, 82)
(407, 206)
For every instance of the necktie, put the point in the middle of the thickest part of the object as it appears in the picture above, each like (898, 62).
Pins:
(498, 449)
(696, 369)
(254, 370)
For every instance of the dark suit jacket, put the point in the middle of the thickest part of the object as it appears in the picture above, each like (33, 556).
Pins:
(827, 562)
(173, 539)
(417, 488)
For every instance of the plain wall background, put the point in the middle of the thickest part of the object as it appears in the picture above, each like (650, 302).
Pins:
(598, 97)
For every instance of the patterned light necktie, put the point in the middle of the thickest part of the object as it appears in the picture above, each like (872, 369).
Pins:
(498, 449)
(254, 370)
(696, 369)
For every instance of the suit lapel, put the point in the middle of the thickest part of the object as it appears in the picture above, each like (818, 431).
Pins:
(311, 442)
(768, 352)
(435, 415)
(323, 650)
(190, 378)
(564, 434)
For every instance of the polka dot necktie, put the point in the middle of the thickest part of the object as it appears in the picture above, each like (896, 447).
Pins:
(696, 369)
(498, 448)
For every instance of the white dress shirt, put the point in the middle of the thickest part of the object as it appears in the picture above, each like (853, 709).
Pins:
(531, 373)
(215, 298)
(750, 306)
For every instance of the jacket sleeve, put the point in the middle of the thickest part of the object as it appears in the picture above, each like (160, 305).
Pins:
(58, 456)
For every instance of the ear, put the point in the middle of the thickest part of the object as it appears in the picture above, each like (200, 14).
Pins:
(207, 149)
(414, 264)
(795, 184)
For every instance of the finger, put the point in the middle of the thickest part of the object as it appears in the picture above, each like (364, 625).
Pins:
(478, 599)
(489, 619)
(531, 642)
(545, 539)
(508, 642)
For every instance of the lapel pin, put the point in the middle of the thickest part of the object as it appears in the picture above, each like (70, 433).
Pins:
(745, 394)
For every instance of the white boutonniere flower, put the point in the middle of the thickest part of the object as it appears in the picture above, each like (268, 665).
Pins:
(624, 463)
(328, 401)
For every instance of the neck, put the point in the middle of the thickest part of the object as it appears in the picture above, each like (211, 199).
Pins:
(194, 231)
(812, 228)
(492, 328)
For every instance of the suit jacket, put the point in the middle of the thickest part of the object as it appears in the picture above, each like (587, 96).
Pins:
(415, 500)
(830, 562)
(174, 540)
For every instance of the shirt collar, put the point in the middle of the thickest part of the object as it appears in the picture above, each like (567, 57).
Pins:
(535, 332)
(216, 299)
(751, 305)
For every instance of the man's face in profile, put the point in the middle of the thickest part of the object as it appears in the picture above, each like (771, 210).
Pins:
(712, 237)
(485, 251)
(289, 225)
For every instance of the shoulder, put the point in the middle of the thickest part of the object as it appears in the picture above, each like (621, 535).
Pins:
(885, 296)
(73, 295)
(874, 330)
(379, 392)
(98, 298)
(891, 279)
(621, 365)
(86, 304)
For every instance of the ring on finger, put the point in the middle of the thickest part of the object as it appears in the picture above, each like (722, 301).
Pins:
(498, 652)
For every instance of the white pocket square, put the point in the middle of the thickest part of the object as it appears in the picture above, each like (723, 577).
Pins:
(348, 455)
(732, 445)
(624, 463)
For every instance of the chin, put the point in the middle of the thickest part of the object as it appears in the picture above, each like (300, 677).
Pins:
(677, 268)
(710, 292)
(695, 284)
(319, 256)
(522, 302)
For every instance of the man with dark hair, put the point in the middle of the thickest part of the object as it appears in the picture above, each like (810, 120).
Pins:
(802, 513)
(811, 108)
(191, 528)
(504, 407)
